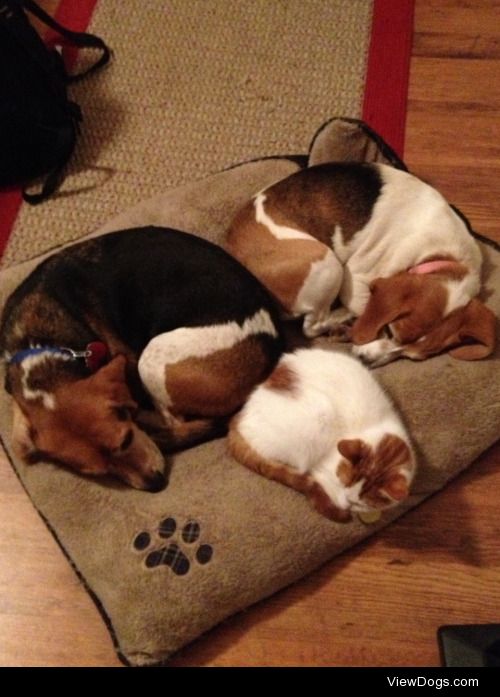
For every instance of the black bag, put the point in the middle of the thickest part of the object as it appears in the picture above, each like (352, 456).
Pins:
(38, 123)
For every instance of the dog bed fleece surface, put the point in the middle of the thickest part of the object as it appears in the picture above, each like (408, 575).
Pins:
(166, 567)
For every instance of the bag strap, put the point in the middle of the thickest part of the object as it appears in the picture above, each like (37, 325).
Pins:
(55, 176)
(78, 39)
(50, 184)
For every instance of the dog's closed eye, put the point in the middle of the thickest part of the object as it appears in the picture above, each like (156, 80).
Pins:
(127, 441)
(125, 412)
(388, 331)
(122, 413)
(120, 449)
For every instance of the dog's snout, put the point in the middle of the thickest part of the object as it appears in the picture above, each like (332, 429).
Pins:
(157, 482)
(379, 352)
(365, 360)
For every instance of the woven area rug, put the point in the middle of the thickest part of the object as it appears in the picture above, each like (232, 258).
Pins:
(197, 86)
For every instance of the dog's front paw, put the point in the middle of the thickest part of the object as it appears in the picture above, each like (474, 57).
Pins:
(336, 325)
(341, 331)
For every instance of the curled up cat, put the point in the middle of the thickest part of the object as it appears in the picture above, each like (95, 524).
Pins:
(322, 425)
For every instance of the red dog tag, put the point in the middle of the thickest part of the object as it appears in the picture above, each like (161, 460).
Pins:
(97, 355)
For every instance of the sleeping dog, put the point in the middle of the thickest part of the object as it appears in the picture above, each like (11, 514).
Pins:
(399, 258)
(148, 308)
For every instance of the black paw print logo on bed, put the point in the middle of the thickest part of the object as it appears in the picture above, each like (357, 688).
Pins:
(178, 554)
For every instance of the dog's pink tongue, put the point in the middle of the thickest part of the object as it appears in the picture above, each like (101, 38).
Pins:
(97, 355)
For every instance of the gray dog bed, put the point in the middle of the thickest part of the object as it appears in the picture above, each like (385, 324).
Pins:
(163, 568)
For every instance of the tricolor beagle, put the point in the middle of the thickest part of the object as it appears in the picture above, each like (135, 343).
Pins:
(175, 315)
(388, 245)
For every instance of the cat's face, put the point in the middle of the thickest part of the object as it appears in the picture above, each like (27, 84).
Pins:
(375, 477)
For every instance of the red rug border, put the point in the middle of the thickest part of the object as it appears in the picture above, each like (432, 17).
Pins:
(10, 203)
(388, 70)
(75, 16)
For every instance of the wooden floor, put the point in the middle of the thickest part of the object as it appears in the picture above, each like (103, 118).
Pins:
(381, 603)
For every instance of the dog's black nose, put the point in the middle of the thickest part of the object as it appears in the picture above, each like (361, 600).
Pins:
(156, 482)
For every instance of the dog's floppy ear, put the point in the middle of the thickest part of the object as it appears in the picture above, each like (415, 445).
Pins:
(111, 379)
(387, 302)
(468, 333)
(478, 327)
(414, 302)
(114, 371)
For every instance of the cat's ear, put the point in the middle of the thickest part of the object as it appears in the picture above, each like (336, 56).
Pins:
(353, 449)
(396, 486)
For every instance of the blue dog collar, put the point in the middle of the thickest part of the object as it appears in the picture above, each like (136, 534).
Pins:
(95, 354)
(20, 356)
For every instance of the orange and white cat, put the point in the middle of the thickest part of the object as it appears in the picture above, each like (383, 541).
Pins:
(322, 425)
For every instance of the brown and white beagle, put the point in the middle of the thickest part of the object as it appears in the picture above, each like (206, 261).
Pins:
(383, 242)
